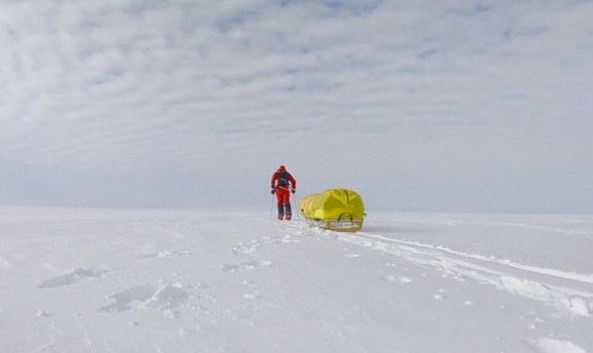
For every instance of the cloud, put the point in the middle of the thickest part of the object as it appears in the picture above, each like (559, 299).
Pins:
(406, 101)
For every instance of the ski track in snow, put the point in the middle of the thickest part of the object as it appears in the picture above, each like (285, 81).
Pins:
(549, 345)
(544, 271)
(568, 291)
(544, 228)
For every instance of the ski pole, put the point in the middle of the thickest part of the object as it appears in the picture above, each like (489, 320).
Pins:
(272, 207)
(295, 209)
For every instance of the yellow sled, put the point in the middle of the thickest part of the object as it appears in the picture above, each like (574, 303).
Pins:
(340, 210)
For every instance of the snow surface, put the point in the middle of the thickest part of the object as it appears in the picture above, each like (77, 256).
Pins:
(84, 280)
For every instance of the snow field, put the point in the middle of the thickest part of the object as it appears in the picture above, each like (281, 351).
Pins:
(152, 281)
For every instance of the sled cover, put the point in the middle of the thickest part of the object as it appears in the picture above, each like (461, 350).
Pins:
(334, 209)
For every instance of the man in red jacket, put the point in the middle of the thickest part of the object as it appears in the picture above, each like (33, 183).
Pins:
(283, 184)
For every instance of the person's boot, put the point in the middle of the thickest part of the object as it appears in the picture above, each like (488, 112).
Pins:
(288, 211)
(280, 212)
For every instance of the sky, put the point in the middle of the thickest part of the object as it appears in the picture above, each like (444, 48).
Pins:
(421, 106)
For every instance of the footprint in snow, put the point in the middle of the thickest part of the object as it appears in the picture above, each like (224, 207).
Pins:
(398, 279)
(251, 296)
(246, 266)
(165, 254)
(251, 248)
(147, 296)
(127, 299)
(289, 239)
(72, 277)
(441, 295)
(42, 314)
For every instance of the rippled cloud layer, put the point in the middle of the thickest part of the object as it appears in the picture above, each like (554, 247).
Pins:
(420, 105)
